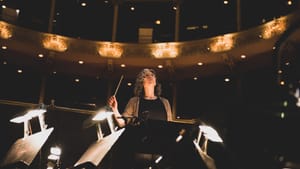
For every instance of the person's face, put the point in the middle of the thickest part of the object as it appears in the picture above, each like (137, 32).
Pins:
(149, 79)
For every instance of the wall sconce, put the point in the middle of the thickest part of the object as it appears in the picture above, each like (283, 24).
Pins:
(222, 43)
(56, 43)
(274, 27)
(164, 50)
(5, 31)
(110, 50)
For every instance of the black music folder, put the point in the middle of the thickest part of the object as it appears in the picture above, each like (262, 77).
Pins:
(154, 143)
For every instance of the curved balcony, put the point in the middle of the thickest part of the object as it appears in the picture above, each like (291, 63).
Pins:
(219, 55)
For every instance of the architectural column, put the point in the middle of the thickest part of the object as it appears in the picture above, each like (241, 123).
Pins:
(51, 16)
(177, 21)
(238, 15)
(176, 39)
(115, 20)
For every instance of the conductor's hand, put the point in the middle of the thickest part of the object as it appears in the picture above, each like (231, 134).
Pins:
(113, 103)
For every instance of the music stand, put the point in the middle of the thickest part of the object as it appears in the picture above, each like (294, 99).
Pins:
(97, 151)
(144, 144)
(24, 150)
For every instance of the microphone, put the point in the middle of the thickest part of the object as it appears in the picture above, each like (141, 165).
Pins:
(180, 136)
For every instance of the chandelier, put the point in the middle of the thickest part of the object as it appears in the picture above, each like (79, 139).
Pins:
(273, 28)
(110, 50)
(56, 43)
(165, 50)
(5, 32)
(222, 43)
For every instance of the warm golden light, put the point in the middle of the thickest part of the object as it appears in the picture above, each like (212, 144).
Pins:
(55, 43)
(110, 50)
(210, 133)
(55, 151)
(28, 116)
(5, 31)
(165, 50)
(102, 114)
(222, 43)
(273, 28)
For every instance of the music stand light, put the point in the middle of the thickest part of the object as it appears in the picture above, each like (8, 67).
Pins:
(27, 116)
(25, 149)
(211, 134)
(97, 150)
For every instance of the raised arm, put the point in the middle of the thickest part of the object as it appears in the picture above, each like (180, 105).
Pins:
(113, 104)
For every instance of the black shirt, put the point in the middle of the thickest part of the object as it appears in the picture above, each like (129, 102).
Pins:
(152, 109)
